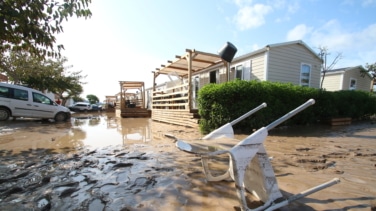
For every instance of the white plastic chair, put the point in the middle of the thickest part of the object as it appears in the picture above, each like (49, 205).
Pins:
(249, 165)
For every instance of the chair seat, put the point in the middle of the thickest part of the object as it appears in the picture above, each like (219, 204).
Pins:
(248, 166)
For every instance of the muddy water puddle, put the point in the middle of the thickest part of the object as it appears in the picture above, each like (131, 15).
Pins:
(88, 131)
(99, 161)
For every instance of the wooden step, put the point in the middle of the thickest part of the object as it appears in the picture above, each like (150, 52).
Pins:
(135, 112)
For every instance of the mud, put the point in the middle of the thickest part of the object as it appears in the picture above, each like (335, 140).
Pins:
(102, 162)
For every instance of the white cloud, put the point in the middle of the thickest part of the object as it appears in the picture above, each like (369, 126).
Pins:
(337, 38)
(367, 3)
(255, 47)
(298, 32)
(332, 36)
(252, 16)
(293, 7)
(357, 47)
(241, 3)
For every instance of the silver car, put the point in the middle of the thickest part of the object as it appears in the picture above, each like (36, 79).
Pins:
(80, 106)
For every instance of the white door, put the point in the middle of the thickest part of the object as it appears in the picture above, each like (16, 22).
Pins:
(21, 104)
(43, 107)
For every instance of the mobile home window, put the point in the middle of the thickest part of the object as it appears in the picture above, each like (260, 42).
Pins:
(305, 74)
(352, 84)
(239, 72)
(196, 84)
(213, 77)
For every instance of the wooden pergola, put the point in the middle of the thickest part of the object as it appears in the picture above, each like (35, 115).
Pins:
(132, 99)
(110, 102)
(174, 106)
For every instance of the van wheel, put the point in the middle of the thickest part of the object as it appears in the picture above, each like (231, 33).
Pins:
(60, 117)
(4, 114)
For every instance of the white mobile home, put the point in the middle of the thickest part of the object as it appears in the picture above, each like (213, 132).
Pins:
(349, 78)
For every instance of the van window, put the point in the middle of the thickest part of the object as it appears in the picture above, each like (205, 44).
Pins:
(39, 98)
(4, 92)
(20, 94)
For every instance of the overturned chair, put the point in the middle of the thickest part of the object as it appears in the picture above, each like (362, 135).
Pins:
(249, 164)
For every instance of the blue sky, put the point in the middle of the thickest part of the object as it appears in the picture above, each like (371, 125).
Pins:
(125, 40)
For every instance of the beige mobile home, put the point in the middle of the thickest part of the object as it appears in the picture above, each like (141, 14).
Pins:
(290, 62)
(349, 78)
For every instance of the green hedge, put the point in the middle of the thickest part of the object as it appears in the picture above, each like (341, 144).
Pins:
(222, 103)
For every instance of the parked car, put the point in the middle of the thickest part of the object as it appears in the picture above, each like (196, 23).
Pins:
(96, 107)
(80, 107)
(21, 101)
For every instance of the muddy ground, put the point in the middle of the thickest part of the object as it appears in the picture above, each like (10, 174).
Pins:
(47, 166)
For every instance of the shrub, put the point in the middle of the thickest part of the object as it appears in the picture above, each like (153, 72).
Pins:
(223, 103)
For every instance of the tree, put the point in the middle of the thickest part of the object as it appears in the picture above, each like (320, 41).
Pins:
(31, 25)
(16, 64)
(323, 54)
(371, 69)
(92, 99)
(35, 72)
(69, 86)
(78, 99)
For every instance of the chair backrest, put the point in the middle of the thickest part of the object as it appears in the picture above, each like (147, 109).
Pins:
(256, 138)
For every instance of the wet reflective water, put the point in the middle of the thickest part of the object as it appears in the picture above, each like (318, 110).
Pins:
(98, 130)
(88, 130)
(105, 162)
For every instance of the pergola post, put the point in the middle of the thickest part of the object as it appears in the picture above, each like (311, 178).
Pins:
(143, 95)
(154, 76)
(227, 65)
(121, 94)
(189, 60)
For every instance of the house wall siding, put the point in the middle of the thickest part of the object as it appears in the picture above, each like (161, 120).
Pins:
(341, 80)
(362, 83)
(332, 82)
(222, 75)
(204, 77)
(258, 67)
(256, 63)
(285, 65)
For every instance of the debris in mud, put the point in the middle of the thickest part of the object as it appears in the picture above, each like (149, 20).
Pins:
(82, 181)
(304, 149)
(311, 160)
(336, 155)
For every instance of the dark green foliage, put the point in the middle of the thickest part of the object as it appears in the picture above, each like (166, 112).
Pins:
(222, 103)
(92, 98)
(32, 25)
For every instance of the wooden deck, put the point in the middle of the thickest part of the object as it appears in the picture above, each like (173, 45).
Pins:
(135, 112)
(340, 121)
(132, 100)
(171, 106)
(176, 117)
(175, 102)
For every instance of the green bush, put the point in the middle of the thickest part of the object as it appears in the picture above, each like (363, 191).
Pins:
(223, 103)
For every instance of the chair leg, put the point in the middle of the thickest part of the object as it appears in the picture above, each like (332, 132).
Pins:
(260, 179)
(207, 172)
(241, 157)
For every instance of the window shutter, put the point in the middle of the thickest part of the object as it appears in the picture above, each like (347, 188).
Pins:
(247, 70)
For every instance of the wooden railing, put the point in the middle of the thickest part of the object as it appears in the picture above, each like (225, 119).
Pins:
(175, 98)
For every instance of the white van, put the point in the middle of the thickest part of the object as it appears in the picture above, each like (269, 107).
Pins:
(20, 101)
